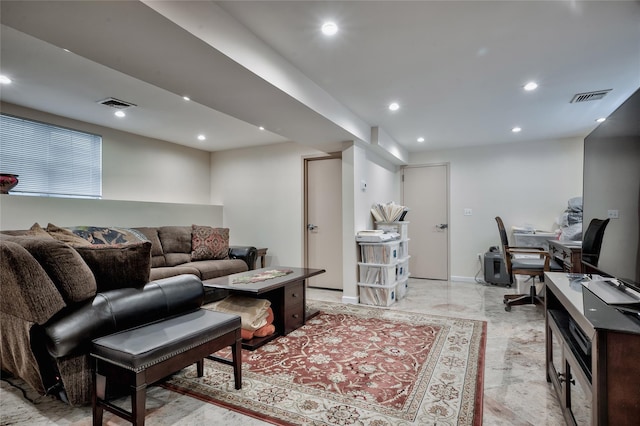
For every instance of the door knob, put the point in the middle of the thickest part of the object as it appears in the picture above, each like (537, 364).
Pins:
(312, 227)
(442, 226)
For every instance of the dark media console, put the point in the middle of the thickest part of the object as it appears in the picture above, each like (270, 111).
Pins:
(593, 355)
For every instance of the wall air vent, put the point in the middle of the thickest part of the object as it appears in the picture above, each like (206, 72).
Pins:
(116, 103)
(589, 96)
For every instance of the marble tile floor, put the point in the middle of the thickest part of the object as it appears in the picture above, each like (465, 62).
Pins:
(515, 389)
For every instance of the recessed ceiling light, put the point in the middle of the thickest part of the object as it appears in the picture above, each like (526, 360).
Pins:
(119, 114)
(516, 129)
(201, 137)
(393, 106)
(261, 128)
(601, 119)
(186, 98)
(66, 50)
(532, 85)
(420, 139)
(329, 28)
(4, 79)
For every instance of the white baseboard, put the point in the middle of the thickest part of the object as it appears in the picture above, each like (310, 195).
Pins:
(350, 300)
(463, 279)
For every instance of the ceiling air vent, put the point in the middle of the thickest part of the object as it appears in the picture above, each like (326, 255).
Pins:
(116, 103)
(589, 96)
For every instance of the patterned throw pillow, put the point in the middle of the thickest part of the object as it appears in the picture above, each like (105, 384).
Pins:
(209, 243)
(108, 235)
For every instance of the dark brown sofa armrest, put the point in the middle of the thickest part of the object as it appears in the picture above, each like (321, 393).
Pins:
(246, 253)
(120, 309)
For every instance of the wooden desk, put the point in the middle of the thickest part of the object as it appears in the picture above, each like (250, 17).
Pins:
(567, 254)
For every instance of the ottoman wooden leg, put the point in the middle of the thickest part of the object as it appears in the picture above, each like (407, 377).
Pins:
(236, 352)
(200, 367)
(138, 402)
(99, 391)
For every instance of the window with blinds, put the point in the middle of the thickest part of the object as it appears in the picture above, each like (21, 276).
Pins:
(50, 160)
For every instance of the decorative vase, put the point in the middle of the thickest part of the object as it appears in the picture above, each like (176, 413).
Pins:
(7, 182)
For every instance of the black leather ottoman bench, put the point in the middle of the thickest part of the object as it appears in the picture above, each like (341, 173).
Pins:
(143, 355)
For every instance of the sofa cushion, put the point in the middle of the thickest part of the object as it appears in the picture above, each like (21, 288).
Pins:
(118, 265)
(157, 255)
(176, 244)
(64, 266)
(175, 259)
(209, 243)
(172, 271)
(217, 268)
(66, 236)
(37, 231)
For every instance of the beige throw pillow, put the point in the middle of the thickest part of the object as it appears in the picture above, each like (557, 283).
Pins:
(66, 236)
(37, 231)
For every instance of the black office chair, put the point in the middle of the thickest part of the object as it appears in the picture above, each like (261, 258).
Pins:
(592, 241)
(533, 267)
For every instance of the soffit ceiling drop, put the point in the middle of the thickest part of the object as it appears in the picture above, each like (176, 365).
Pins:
(456, 68)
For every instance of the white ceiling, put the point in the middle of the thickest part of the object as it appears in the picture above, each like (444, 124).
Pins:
(456, 68)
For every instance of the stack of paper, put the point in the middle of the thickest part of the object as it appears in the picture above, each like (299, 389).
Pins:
(523, 230)
(390, 212)
(371, 232)
(378, 237)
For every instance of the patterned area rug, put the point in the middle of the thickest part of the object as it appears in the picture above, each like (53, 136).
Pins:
(355, 365)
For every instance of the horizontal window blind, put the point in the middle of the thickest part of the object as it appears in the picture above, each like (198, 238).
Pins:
(50, 160)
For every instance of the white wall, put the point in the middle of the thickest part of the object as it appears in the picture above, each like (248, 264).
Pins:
(360, 163)
(524, 183)
(263, 196)
(383, 185)
(20, 212)
(138, 168)
(261, 189)
(145, 182)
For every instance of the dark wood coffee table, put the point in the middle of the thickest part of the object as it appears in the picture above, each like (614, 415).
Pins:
(287, 295)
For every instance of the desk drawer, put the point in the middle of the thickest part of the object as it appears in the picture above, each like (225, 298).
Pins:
(293, 307)
(560, 252)
(568, 257)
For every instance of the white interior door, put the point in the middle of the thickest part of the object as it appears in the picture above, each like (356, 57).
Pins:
(324, 221)
(425, 191)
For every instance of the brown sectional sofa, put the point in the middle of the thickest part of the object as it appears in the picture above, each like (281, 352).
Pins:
(171, 255)
(56, 298)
